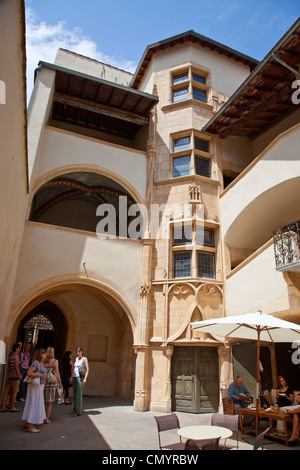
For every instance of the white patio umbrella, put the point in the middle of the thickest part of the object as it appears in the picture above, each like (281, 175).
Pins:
(252, 326)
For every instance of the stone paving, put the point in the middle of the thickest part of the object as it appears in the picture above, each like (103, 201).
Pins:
(107, 424)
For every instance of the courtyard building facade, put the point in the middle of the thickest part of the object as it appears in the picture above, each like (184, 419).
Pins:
(152, 200)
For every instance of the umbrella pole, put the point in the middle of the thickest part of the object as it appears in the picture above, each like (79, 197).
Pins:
(257, 381)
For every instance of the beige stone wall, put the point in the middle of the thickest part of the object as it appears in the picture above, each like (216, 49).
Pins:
(226, 75)
(174, 303)
(106, 338)
(13, 149)
(66, 265)
(89, 66)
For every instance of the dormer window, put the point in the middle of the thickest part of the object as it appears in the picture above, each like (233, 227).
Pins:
(189, 84)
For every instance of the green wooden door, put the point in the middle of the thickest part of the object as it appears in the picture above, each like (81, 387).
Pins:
(195, 383)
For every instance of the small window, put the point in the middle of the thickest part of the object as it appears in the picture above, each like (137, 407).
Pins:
(203, 166)
(180, 95)
(199, 78)
(180, 78)
(182, 144)
(191, 161)
(181, 166)
(189, 83)
(201, 144)
(182, 264)
(205, 236)
(182, 235)
(199, 95)
(206, 264)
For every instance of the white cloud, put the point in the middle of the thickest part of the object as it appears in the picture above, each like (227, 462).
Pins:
(225, 11)
(43, 41)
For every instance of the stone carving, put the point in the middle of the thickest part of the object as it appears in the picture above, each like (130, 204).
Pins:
(210, 289)
(182, 289)
(145, 288)
(195, 193)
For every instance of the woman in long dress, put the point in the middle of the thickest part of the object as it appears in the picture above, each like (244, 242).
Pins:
(34, 410)
(50, 389)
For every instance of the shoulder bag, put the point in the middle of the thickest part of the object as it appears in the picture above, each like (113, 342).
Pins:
(82, 369)
(32, 381)
(51, 378)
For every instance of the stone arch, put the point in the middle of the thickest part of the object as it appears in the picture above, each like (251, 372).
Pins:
(88, 168)
(184, 331)
(98, 318)
(272, 208)
(45, 289)
(70, 199)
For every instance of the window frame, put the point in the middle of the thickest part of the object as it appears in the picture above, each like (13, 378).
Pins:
(212, 256)
(177, 158)
(190, 150)
(176, 253)
(193, 248)
(204, 172)
(184, 95)
(187, 76)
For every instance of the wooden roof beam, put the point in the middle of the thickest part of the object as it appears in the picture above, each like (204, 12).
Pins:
(101, 109)
(252, 114)
(287, 66)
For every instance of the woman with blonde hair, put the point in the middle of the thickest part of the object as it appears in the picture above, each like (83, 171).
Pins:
(53, 380)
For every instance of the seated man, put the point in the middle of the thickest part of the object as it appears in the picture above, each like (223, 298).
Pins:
(239, 392)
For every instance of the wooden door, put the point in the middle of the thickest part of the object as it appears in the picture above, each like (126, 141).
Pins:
(183, 380)
(195, 384)
(208, 379)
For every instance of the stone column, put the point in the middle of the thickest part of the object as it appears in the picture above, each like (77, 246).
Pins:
(141, 347)
(141, 373)
(225, 367)
(168, 352)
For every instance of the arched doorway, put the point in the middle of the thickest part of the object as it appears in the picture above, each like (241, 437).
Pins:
(45, 325)
(83, 314)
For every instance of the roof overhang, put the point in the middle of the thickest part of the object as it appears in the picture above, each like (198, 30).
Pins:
(98, 104)
(192, 37)
(265, 97)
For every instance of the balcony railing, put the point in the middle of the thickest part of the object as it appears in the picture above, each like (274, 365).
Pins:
(287, 247)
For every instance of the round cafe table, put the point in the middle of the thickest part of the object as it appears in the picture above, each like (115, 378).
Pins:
(204, 432)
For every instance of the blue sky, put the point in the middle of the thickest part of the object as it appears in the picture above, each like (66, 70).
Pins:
(117, 32)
